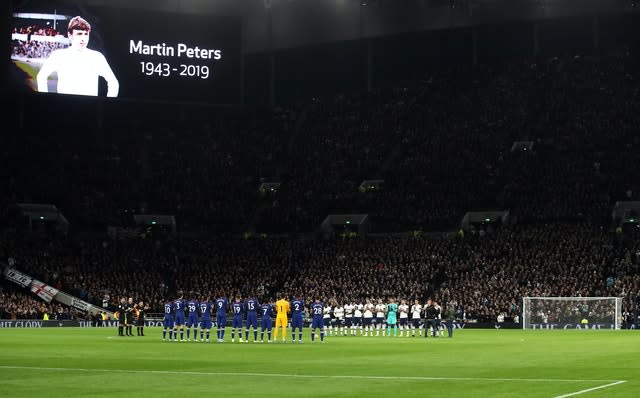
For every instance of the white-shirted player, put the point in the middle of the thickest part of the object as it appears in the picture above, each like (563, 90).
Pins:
(416, 323)
(338, 315)
(403, 309)
(367, 317)
(78, 68)
(349, 308)
(357, 318)
(326, 320)
(381, 309)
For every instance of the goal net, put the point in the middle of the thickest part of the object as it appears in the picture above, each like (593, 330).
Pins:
(571, 312)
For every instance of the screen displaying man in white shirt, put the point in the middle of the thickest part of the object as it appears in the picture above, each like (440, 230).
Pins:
(78, 67)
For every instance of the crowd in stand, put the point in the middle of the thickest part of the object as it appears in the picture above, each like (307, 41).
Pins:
(16, 304)
(37, 44)
(443, 146)
(486, 274)
(35, 30)
(34, 49)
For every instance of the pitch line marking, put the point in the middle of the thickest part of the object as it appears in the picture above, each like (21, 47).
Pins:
(255, 374)
(572, 394)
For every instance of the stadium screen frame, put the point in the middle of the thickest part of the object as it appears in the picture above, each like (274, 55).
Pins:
(154, 55)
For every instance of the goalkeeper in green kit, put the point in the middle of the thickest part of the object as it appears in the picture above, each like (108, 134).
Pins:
(392, 322)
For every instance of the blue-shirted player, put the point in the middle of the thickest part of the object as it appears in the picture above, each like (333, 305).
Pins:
(237, 308)
(168, 322)
(297, 318)
(192, 320)
(205, 318)
(179, 305)
(252, 306)
(266, 312)
(317, 310)
(222, 305)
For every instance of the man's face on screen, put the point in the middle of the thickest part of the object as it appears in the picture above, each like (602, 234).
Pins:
(79, 39)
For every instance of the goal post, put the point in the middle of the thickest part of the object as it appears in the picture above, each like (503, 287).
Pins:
(571, 312)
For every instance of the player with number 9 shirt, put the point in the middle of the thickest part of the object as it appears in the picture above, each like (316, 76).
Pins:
(221, 316)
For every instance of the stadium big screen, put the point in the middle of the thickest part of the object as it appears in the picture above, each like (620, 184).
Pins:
(126, 53)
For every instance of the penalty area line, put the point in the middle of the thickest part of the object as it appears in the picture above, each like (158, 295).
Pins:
(573, 394)
(303, 376)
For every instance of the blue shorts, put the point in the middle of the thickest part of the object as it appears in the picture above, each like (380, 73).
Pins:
(404, 321)
(179, 319)
(379, 320)
(296, 322)
(327, 321)
(252, 320)
(236, 322)
(168, 323)
(415, 322)
(221, 321)
(206, 323)
(367, 321)
(348, 321)
(357, 321)
(192, 321)
(267, 324)
(316, 323)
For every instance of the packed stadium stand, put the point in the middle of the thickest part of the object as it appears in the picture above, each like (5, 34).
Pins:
(552, 138)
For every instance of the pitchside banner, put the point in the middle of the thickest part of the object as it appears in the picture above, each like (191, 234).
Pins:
(37, 323)
(565, 326)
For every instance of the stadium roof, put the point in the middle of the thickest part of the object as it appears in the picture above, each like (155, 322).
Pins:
(280, 24)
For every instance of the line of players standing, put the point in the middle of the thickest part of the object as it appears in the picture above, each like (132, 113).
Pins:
(386, 319)
(182, 315)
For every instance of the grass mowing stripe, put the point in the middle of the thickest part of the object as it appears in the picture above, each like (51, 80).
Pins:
(419, 378)
(572, 394)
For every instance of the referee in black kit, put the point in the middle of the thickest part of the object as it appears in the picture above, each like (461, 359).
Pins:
(141, 310)
(431, 319)
(122, 308)
(129, 318)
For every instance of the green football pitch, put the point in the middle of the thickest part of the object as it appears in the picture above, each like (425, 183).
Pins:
(95, 362)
